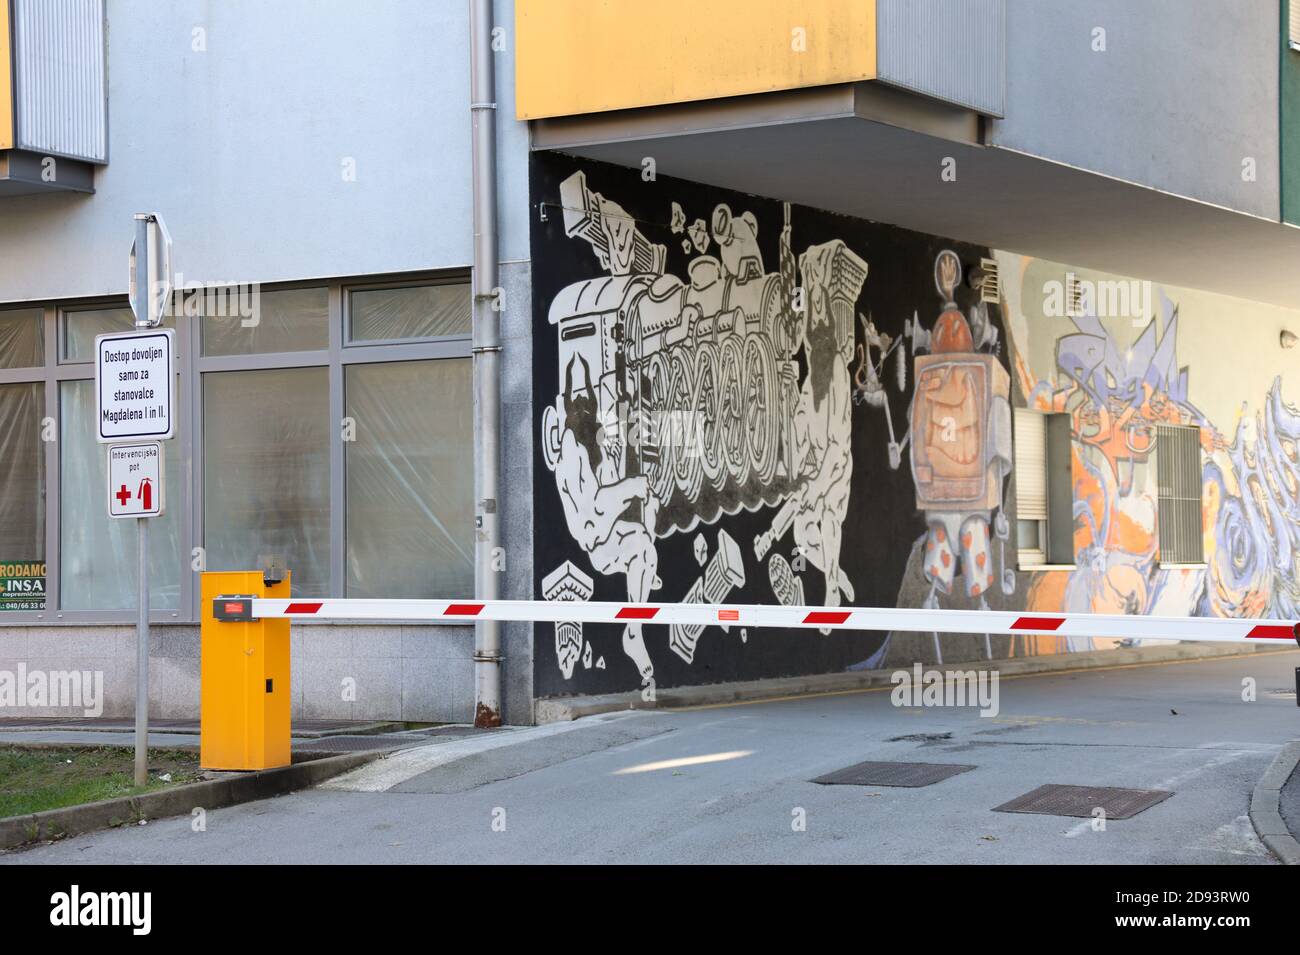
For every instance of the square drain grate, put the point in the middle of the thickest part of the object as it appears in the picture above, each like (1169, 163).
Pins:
(1080, 801)
(910, 775)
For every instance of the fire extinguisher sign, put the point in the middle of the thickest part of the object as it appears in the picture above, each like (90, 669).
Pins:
(135, 479)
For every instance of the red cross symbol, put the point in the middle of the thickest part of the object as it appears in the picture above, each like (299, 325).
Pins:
(123, 496)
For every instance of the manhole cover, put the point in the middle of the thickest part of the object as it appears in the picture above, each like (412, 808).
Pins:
(1082, 801)
(892, 774)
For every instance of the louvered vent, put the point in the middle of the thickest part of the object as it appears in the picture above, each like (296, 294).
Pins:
(991, 287)
(1178, 502)
(1074, 303)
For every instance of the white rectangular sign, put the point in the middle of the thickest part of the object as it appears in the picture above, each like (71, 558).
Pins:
(135, 376)
(135, 479)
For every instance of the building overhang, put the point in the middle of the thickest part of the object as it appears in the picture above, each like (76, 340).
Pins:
(24, 173)
(867, 150)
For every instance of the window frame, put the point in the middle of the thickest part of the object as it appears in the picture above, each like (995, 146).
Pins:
(192, 365)
(1040, 558)
(350, 343)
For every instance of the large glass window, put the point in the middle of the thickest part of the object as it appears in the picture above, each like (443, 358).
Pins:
(266, 472)
(377, 504)
(410, 474)
(22, 475)
(98, 560)
(247, 323)
(82, 325)
(22, 338)
(409, 312)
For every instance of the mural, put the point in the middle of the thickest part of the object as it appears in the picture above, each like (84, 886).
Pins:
(715, 369)
(746, 401)
(1118, 388)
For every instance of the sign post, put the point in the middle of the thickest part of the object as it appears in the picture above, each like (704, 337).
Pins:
(134, 380)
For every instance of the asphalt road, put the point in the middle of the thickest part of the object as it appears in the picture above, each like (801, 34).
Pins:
(731, 783)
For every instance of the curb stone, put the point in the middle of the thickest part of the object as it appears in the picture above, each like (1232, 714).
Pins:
(17, 831)
(1264, 802)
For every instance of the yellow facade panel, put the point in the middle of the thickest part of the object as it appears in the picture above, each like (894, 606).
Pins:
(589, 56)
(6, 79)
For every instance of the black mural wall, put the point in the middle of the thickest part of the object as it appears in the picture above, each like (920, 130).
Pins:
(724, 413)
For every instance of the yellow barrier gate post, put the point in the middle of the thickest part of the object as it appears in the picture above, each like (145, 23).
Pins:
(244, 680)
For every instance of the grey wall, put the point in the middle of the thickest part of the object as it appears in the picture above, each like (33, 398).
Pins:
(1184, 91)
(953, 50)
(241, 147)
(421, 673)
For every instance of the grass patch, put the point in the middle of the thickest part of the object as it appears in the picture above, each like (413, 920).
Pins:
(32, 780)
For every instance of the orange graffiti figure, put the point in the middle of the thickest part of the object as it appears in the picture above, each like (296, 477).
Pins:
(961, 444)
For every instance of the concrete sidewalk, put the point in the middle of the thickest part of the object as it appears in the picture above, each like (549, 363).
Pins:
(308, 737)
(307, 729)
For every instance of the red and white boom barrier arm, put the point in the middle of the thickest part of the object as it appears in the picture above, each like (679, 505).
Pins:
(1210, 629)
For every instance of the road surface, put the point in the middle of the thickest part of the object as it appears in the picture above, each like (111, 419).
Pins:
(731, 783)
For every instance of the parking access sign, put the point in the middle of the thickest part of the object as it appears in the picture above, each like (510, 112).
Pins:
(134, 380)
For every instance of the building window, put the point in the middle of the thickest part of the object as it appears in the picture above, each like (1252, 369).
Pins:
(409, 313)
(98, 565)
(332, 426)
(1178, 503)
(22, 338)
(410, 479)
(243, 322)
(266, 477)
(1293, 32)
(22, 483)
(1044, 490)
(81, 326)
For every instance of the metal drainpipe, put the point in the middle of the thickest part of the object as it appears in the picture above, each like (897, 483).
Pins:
(487, 368)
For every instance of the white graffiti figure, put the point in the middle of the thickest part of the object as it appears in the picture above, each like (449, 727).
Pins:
(681, 400)
(823, 420)
(610, 517)
(823, 462)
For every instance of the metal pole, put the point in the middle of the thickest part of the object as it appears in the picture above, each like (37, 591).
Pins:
(142, 290)
(142, 659)
(487, 369)
(142, 295)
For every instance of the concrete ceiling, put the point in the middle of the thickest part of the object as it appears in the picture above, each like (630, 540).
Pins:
(1007, 200)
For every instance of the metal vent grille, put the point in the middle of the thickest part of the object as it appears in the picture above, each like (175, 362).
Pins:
(1074, 297)
(909, 775)
(1178, 502)
(991, 287)
(59, 85)
(1085, 801)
